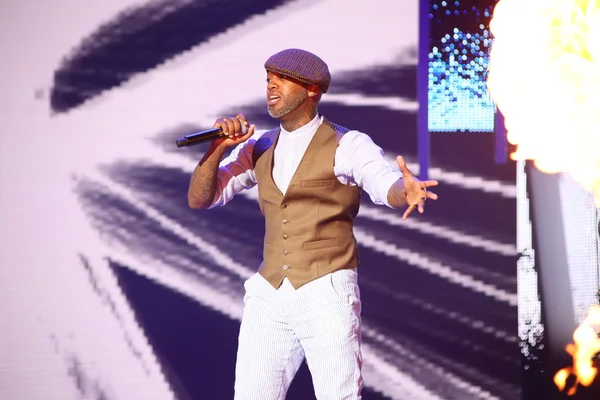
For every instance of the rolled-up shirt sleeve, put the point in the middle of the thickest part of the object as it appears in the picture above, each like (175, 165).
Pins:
(236, 172)
(359, 161)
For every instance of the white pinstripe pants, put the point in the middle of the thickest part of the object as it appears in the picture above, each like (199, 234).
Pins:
(319, 321)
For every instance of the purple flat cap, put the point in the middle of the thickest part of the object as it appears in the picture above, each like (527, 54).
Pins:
(301, 65)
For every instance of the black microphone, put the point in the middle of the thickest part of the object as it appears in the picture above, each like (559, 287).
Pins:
(199, 137)
(204, 136)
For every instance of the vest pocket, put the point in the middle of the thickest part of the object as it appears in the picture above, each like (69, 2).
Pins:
(317, 183)
(320, 244)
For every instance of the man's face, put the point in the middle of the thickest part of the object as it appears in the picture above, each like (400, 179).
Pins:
(284, 94)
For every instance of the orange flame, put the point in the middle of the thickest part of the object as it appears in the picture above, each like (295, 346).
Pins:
(587, 345)
(544, 78)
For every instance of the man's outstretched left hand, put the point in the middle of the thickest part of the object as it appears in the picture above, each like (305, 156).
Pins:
(415, 191)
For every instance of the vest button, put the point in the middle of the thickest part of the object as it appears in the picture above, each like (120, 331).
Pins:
(285, 237)
(284, 206)
(286, 267)
(285, 221)
(285, 252)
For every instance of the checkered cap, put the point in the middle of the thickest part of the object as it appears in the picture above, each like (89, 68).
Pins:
(301, 65)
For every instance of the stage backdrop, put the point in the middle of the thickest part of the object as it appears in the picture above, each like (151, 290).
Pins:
(112, 288)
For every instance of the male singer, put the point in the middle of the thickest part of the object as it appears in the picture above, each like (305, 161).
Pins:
(304, 301)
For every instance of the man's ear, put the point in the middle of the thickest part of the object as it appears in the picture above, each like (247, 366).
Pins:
(313, 90)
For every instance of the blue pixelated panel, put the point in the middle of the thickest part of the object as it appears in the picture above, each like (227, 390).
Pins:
(460, 41)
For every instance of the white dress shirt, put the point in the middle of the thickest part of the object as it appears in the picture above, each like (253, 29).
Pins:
(358, 161)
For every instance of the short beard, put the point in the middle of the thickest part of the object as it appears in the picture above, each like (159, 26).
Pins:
(289, 104)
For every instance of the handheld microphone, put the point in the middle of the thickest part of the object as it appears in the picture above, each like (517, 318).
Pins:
(204, 136)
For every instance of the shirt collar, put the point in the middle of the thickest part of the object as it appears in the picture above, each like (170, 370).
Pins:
(312, 126)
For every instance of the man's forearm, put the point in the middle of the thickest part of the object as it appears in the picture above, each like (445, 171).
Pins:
(203, 184)
(396, 195)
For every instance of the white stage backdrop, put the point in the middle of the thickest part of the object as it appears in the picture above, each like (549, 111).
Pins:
(112, 289)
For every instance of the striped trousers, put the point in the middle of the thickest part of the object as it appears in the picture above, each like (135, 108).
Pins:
(319, 322)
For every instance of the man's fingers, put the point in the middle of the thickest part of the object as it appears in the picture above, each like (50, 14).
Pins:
(230, 131)
(408, 211)
(242, 118)
(243, 121)
(240, 139)
(402, 165)
(431, 195)
(421, 207)
(223, 125)
(232, 127)
(426, 184)
(237, 127)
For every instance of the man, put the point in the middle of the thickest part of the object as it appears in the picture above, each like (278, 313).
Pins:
(304, 302)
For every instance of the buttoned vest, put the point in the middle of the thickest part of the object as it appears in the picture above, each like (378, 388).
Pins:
(308, 229)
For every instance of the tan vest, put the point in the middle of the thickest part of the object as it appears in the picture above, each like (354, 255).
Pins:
(308, 231)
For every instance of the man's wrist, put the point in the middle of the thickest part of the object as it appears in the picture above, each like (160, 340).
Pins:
(397, 195)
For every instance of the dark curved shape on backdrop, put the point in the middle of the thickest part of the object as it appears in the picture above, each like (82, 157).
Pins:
(116, 51)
